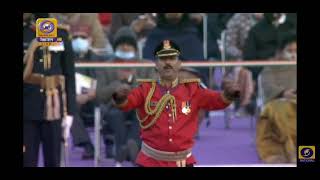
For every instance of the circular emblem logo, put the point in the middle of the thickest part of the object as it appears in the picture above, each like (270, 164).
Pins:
(306, 152)
(46, 27)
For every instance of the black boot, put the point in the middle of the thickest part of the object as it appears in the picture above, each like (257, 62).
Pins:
(88, 151)
(109, 148)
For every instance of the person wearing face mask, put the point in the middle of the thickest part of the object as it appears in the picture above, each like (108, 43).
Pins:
(88, 20)
(276, 127)
(121, 129)
(81, 45)
(124, 52)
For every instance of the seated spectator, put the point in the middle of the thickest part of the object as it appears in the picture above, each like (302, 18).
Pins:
(237, 31)
(142, 26)
(105, 20)
(277, 125)
(216, 24)
(124, 125)
(197, 20)
(263, 38)
(178, 28)
(90, 21)
(235, 36)
(120, 20)
(81, 43)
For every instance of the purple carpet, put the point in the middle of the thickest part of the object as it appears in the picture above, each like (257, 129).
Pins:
(216, 145)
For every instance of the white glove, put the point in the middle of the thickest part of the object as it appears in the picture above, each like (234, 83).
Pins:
(66, 125)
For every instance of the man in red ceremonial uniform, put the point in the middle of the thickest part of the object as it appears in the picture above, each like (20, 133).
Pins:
(168, 110)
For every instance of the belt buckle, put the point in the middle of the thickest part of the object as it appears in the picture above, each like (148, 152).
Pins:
(50, 82)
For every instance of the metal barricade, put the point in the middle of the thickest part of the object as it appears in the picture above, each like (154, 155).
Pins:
(97, 136)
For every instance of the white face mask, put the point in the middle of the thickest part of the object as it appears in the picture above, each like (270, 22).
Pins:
(80, 45)
(289, 56)
(281, 20)
(125, 55)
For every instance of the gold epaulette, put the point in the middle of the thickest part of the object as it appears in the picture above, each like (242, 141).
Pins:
(197, 80)
(145, 80)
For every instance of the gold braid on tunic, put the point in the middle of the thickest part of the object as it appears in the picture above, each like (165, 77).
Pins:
(156, 112)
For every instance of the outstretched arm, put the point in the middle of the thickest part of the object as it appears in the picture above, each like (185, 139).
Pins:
(126, 98)
(213, 100)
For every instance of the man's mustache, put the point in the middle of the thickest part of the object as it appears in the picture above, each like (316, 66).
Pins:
(168, 67)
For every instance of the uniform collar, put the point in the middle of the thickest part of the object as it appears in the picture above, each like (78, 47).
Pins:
(173, 84)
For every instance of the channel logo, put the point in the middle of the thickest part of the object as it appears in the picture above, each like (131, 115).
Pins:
(46, 31)
(307, 154)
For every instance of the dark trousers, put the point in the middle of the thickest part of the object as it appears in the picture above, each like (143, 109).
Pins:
(49, 133)
(80, 135)
(125, 127)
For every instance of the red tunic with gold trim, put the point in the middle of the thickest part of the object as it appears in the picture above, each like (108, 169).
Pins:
(168, 133)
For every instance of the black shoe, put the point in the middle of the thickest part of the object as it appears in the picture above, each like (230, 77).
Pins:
(109, 147)
(88, 152)
(87, 156)
(109, 151)
(208, 123)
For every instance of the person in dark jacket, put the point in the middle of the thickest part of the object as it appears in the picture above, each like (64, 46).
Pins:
(263, 40)
(264, 37)
(178, 28)
(81, 44)
(119, 20)
(217, 22)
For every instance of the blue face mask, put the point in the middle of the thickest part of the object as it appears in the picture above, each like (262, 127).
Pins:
(80, 45)
(125, 55)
